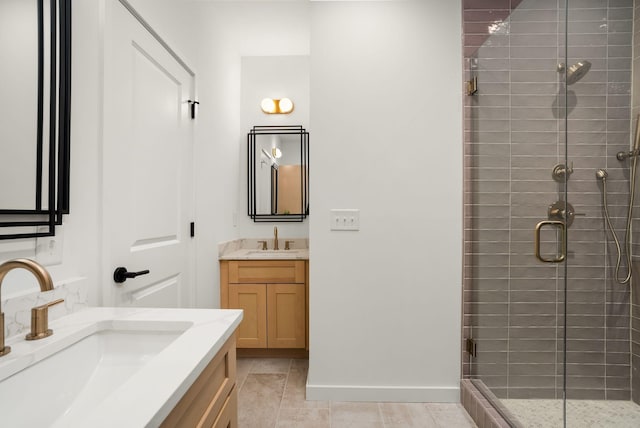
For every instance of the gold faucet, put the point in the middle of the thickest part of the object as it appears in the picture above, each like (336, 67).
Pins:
(275, 237)
(41, 274)
(40, 321)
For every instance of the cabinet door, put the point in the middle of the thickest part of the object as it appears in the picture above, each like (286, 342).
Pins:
(286, 319)
(252, 299)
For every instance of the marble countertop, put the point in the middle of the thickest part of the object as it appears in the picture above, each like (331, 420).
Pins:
(252, 254)
(148, 396)
(251, 249)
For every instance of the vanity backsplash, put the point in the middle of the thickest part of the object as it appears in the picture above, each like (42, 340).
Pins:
(17, 309)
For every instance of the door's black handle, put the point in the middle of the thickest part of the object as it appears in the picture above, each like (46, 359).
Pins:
(120, 275)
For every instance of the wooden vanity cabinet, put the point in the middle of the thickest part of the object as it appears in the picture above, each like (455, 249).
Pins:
(273, 296)
(212, 400)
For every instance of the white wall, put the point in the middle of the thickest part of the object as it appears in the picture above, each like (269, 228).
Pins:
(232, 31)
(386, 125)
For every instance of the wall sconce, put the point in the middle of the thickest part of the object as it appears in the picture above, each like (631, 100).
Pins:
(276, 153)
(273, 106)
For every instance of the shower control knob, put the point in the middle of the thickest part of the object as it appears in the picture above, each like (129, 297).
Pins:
(562, 211)
(561, 172)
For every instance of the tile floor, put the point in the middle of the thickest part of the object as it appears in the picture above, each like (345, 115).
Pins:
(271, 393)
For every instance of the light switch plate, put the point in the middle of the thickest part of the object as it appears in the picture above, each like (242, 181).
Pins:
(345, 219)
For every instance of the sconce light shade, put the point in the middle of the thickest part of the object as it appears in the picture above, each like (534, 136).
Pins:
(268, 106)
(281, 106)
(285, 105)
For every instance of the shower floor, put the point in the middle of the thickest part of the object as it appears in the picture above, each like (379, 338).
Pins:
(580, 413)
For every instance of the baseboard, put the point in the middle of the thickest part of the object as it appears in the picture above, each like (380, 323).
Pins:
(399, 394)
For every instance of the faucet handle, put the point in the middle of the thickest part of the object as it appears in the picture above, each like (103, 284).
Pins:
(40, 321)
(287, 245)
(264, 244)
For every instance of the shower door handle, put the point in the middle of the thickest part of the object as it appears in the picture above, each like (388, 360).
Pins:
(563, 247)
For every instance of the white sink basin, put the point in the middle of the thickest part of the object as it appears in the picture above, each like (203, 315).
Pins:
(108, 367)
(67, 384)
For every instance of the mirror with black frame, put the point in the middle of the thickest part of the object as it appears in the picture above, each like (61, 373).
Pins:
(35, 47)
(278, 176)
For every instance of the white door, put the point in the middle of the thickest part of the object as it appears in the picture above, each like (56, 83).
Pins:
(147, 167)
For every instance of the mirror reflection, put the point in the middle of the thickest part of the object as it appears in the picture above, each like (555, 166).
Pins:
(278, 173)
(35, 94)
(20, 49)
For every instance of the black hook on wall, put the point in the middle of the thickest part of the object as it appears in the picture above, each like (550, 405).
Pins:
(193, 103)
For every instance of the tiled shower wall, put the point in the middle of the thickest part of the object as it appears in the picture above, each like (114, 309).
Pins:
(635, 309)
(514, 136)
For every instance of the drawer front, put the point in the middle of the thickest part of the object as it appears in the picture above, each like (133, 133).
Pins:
(266, 271)
(228, 417)
(206, 397)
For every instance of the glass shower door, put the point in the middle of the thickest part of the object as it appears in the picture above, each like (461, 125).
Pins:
(552, 108)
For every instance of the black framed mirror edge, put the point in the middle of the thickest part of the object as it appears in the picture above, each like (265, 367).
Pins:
(304, 176)
(59, 127)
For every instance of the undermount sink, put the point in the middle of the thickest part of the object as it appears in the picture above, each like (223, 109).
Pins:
(274, 254)
(66, 385)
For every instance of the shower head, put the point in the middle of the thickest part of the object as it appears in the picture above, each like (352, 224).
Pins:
(602, 174)
(577, 71)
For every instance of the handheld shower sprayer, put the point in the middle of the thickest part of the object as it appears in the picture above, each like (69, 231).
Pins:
(601, 175)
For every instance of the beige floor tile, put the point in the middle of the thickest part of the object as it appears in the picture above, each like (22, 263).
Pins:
(243, 367)
(300, 362)
(406, 415)
(271, 393)
(450, 415)
(356, 424)
(271, 365)
(303, 418)
(295, 392)
(355, 412)
(259, 400)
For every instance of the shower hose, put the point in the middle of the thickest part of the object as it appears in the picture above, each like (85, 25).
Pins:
(632, 191)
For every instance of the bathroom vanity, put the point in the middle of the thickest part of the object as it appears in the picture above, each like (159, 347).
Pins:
(108, 367)
(272, 288)
(212, 399)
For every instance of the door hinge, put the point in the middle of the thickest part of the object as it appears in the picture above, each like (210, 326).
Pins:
(472, 348)
(472, 86)
(192, 229)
